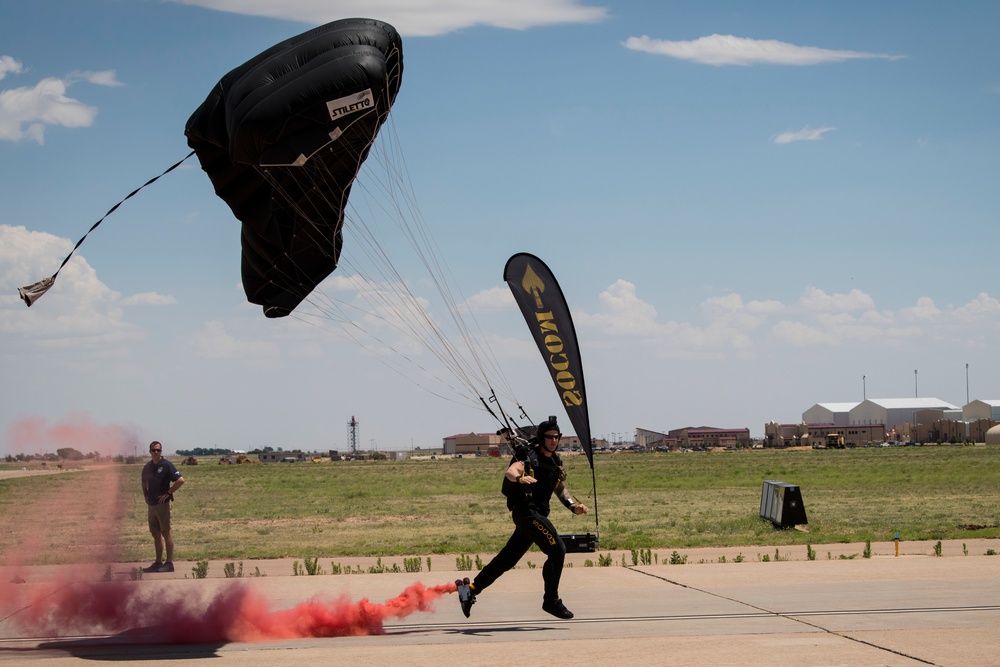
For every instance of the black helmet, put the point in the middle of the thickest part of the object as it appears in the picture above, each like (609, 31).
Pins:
(547, 425)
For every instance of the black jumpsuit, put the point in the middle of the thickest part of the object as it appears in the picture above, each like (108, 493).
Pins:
(529, 506)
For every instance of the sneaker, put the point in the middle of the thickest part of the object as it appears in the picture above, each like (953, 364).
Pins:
(169, 567)
(557, 609)
(155, 567)
(466, 597)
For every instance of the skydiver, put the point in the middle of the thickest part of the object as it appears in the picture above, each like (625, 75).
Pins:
(534, 474)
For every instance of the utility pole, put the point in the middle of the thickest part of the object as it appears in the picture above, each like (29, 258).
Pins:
(967, 384)
(864, 388)
(916, 392)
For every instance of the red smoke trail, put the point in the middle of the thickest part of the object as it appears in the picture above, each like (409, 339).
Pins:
(72, 522)
(67, 522)
(34, 435)
(148, 614)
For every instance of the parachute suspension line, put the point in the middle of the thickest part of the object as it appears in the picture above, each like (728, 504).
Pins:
(385, 303)
(33, 292)
(333, 310)
(423, 243)
(508, 422)
(386, 193)
(421, 325)
(447, 349)
(505, 426)
(385, 360)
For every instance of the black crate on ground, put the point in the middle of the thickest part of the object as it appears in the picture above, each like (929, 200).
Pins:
(781, 504)
(579, 542)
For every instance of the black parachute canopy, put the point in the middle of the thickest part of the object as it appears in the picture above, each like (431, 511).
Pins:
(282, 138)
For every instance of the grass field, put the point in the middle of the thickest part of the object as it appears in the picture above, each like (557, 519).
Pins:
(448, 506)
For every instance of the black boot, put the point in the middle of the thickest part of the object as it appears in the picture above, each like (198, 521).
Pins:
(466, 596)
(557, 609)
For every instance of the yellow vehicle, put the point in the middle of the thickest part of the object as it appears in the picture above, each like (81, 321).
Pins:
(834, 441)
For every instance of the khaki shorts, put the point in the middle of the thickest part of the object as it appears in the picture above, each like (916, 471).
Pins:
(159, 517)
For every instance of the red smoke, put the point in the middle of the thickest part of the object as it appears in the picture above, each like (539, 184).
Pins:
(80, 520)
(151, 614)
(33, 435)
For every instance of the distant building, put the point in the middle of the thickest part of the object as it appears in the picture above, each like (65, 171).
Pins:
(896, 411)
(600, 443)
(982, 409)
(652, 439)
(706, 436)
(785, 435)
(815, 435)
(275, 457)
(951, 430)
(472, 443)
(829, 413)
(855, 435)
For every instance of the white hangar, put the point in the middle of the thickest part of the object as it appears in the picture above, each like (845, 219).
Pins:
(837, 414)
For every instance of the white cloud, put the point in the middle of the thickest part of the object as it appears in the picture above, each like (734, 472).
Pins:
(78, 310)
(816, 299)
(420, 17)
(834, 319)
(923, 310)
(106, 77)
(149, 299)
(495, 298)
(801, 334)
(624, 313)
(837, 328)
(805, 134)
(731, 50)
(732, 326)
(9, 64)
(734, 303)
(214, 342)
(982, 307)
(26, 111)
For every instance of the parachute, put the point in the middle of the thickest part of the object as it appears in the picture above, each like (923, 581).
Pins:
(299, 143)
(282, 138)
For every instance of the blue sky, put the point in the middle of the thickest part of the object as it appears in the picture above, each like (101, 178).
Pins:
(751, 207)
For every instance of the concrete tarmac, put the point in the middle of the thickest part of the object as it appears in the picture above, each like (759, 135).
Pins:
(840, 609)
